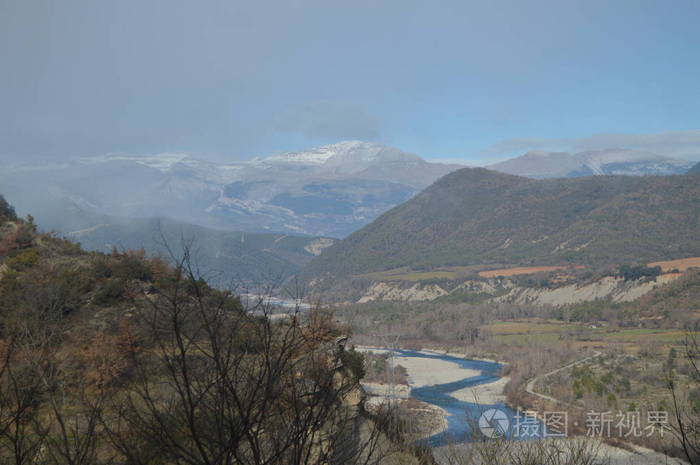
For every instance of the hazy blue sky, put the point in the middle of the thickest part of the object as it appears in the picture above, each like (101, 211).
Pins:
(444, 79)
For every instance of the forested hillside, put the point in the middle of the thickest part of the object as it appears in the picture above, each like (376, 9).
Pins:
(477, 216)
(226, 258)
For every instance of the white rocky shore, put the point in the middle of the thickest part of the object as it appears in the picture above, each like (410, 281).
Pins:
(428, 372)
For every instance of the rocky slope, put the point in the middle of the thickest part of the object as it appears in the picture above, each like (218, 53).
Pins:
(499, 290)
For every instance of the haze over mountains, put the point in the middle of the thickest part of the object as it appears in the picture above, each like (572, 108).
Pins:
(224, 258)
(329, 191)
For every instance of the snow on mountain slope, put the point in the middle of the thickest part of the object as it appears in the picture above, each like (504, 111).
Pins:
(630, 162)
(343, 157)
(600, 162)
(161, 161)
(313, 157)
(330, 190)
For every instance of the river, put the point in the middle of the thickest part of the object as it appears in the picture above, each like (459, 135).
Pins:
(466, 420)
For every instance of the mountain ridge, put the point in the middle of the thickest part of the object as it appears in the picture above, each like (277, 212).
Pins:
(225, 257)
(477, 216)
(327, 191)
(541, 165)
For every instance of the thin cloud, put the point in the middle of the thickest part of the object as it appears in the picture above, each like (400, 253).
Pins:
(330, 120)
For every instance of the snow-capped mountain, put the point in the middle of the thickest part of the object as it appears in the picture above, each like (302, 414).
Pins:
(600, 162)
(330, 190)
(326, 191)
(631, 163)
(312, 157)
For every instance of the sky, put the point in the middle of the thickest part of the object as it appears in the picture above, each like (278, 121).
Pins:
(449, 80)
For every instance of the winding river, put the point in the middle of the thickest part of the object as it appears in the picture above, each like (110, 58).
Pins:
(463, 418)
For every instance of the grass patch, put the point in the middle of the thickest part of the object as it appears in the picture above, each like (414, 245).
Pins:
(538, 330)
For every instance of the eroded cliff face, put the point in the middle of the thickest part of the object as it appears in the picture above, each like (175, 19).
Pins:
(506, 291)
(615, 289)
(391, 291)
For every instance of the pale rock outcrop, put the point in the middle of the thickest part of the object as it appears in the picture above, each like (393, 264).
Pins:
(616, 289)
(317, 246)
(386, 291)
(613, 288)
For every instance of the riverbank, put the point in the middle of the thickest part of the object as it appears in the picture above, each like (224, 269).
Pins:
(427, 371)
(429, 420)
(451, 383)
(430, 371)
(426, 419)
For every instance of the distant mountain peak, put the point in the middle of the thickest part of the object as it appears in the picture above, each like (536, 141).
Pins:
(539, 164)
(329, 190)
(161, 161)
(316, 156)
(351, 151)
(349, 145)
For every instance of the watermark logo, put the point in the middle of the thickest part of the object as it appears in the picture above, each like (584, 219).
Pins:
(626, 424)
(494, 423)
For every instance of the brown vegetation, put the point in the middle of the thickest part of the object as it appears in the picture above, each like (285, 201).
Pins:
(119, 359)
(505, 272)
(679, 265)
(580, 451)
(377, 370)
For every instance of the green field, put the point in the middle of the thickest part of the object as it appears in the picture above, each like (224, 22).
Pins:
(538, 330)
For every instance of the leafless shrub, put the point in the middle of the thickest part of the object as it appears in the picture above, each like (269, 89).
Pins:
(223, 386)
(578, 451)
(685, 409)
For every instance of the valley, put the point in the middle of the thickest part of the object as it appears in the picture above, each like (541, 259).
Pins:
(585, 324)
(349, 233)
(502, 293)
(565, 322)
(624, 348)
